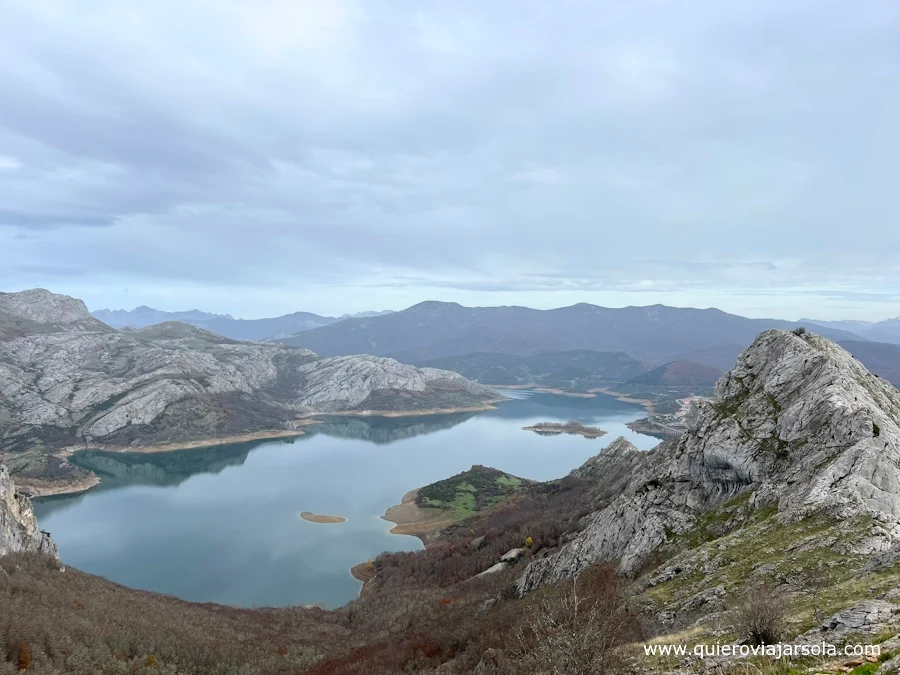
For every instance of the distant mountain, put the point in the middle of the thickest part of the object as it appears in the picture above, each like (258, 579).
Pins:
(880, 358)
(366, 315)
(571, 371)
(143, 316)
(433, 330)
(721, 357)
(678, 374)
(225, 324)
(878, 331)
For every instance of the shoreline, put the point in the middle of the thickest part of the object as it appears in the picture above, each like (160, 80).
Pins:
(35, 489)
(544, 390)
(488, 405)
(412, 520)
(40, 488)
(625, 398)
(409, 519)
(190, 445)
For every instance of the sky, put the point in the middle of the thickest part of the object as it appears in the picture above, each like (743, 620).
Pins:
(259, 158)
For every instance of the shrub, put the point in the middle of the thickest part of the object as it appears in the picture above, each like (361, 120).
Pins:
(24, 655)
(577, 628)
(759, 618)
(799, 330)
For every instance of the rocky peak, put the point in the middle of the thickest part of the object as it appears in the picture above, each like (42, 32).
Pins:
(19, 531)
(798, 422)
(618, 453)
(42, 306)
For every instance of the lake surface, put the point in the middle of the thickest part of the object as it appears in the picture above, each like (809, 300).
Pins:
(223, 524)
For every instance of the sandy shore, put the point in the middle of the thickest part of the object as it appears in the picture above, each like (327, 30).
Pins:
(489, 405)
(189, 445)
(321, 518)
(544, 390)
(647, 403)
(409, 518)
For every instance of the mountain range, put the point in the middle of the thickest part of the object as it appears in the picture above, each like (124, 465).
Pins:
(225, 324)
(513, 345)
(877, 331)
(432, 330)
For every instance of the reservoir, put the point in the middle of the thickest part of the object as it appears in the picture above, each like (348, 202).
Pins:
(223, 524)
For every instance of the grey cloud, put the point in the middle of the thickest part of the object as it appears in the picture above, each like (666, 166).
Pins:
(600, 147)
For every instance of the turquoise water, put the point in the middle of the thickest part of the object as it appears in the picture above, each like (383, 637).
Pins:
(222, 524)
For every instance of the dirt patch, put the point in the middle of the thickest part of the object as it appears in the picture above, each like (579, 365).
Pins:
(410, 518)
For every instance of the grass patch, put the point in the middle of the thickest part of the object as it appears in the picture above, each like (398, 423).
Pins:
(470, 491)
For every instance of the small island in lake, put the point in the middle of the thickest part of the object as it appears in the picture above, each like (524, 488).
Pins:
(570, 427)
(316, 518)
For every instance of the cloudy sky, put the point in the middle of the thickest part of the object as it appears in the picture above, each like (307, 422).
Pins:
(343, 155)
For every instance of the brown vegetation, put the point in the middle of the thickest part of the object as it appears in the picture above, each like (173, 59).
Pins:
(544, 512)
(759, 618)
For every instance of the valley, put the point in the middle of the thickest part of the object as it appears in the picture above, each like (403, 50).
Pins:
(234, 475)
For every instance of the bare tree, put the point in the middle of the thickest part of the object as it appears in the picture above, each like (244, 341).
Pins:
(759, 617)
(574, 630)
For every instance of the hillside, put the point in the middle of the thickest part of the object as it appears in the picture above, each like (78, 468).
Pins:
(224, 324)
(434, 330)
(877, 331)
(576, 371)
(798, 422)
(879, 358)
(68, 380)
(470, 491)
(775, 516)
(677, 375)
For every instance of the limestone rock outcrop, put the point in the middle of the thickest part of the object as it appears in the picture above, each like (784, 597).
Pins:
(19, 531)
(798, 421)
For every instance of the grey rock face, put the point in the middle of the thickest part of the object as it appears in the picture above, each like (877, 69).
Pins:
(864, 618)
(43, 306)
(19, 531)
(798, 420)
(618, 455)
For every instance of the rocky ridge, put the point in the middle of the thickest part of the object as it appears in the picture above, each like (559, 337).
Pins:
(19, 531)
(68, 380)
(798, 425)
